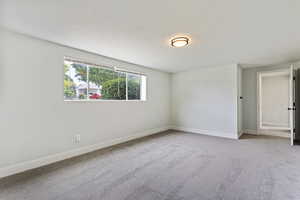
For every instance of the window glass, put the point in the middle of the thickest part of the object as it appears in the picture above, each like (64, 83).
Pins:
(88, 82)
(75, 81)
(134, 86)
(106, 84)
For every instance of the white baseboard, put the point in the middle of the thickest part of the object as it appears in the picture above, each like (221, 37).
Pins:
(250, 131)
(274, 124)
(240, 134)
(24, 166)
(207, 132)
(278, 133)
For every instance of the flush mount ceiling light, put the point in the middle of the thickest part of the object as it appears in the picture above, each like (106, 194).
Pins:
(180, 41)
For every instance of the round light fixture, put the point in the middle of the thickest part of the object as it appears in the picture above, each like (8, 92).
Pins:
(180, 41)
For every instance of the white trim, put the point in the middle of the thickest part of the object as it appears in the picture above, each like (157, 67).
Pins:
(102, 100)
(278, 133)
(277, 72)
(260, 75)
(275, 128)
(281, 125)
(144, 88)
(291, 104)
(240, 134)
(207, 132)
(27, 165)
(250, 131)
(128, 71)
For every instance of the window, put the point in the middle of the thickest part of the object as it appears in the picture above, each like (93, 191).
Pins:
(83, 81)
(75, 85)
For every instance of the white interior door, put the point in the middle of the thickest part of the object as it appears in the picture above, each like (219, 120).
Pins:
(291, 104)
(273, 101)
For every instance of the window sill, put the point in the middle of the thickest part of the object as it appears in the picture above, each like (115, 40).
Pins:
(105, 100)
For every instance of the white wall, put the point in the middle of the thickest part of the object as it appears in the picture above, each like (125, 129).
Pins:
(35, 120)
(205, 101)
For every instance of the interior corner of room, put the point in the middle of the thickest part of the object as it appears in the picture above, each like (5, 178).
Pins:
(224, 101)
(93, 94)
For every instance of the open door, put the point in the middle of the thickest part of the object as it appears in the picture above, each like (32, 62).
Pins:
(297, 105)
(292, 105)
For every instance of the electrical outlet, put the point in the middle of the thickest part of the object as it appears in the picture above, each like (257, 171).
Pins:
(77, 138)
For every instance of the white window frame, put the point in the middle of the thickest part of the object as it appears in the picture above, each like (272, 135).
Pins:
(115, 69)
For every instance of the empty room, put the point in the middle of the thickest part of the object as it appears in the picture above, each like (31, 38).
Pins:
(149, 100)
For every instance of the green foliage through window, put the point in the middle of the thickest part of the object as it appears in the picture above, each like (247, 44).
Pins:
(69, 86)
(114, 89)
(82, 81)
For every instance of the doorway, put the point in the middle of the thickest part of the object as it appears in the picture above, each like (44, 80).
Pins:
(275, 103)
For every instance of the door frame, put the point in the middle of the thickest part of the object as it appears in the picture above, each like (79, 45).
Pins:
(260, 75)
(292, 102)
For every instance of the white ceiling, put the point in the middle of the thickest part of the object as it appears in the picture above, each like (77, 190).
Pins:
(250, 32)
